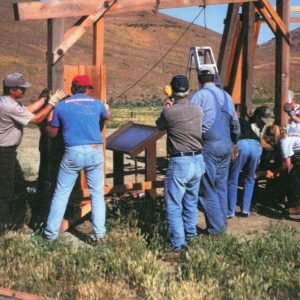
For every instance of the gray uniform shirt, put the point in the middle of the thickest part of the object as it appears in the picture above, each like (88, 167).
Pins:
(183, 122)
(13, 117)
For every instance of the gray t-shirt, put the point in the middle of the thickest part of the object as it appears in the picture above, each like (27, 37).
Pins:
(183, 122)
(13, 117)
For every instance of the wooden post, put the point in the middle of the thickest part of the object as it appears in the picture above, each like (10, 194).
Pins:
(118, 166)
(228, 43)
(234, 73)
(282, 65)
(150, 154)
(55, 37)
(248, 57)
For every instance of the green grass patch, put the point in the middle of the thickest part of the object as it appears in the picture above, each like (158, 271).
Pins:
(137, 114)
(134, 262)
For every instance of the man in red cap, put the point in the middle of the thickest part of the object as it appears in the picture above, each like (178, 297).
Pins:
(79, 117)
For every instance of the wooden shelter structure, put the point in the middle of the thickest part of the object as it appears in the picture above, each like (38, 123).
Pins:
(236, 58)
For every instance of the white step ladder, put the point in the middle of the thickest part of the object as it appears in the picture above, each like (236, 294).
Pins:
(200, 56)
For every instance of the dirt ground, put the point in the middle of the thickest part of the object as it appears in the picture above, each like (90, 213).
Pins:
(258, 221)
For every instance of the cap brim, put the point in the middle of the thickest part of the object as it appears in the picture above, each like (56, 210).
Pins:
(26, 84)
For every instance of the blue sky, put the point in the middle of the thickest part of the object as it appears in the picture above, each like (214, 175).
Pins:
(214, 17)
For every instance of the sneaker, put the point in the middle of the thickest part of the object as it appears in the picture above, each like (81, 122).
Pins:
(244, 215)
(230, 217)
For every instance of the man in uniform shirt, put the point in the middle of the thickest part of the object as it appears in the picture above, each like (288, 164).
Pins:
(183, 121)
(13, 118)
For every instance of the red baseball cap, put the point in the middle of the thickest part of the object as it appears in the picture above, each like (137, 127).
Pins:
(83, 80)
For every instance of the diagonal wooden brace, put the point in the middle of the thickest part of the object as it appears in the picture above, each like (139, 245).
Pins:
(272, 18)
(78, 30)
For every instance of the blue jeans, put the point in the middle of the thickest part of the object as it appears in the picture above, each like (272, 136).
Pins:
(249, 155)
(182, 184)
(90, 159)
(213, 193)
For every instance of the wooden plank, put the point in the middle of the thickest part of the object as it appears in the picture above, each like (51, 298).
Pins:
(11, 294)
(233, 74)
(271, 23)
(227, 48)
(55, 69)
(98, 42)
(83, 211)
(294, 20)
(248, 58)
(278, 21)
(71, 8)
(282, 66)
(141, 5)
(138, 186)
(295, 9)
(103, 90)
(235, 77)
(51, 10)
(150, 156)
(78, 30)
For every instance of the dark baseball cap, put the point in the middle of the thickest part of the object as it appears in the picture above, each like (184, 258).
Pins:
(179, 84)
(16, 80)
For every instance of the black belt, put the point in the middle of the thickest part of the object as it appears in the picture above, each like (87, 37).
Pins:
(190, 153)
(9, 148)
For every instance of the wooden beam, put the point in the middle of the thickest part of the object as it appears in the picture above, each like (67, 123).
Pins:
(11, 294)
(282, 66)
(71, 8)
(266, 8)
(295, 9)
(138, 186)
(271, 23)
(294, 20)
(134, 5)
(228, 44)
(248, 58)
(234, 72)
(55, 69)
(78, 30)
(51, 10)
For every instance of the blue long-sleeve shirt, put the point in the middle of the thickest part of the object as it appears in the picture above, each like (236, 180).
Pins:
(206, 100)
